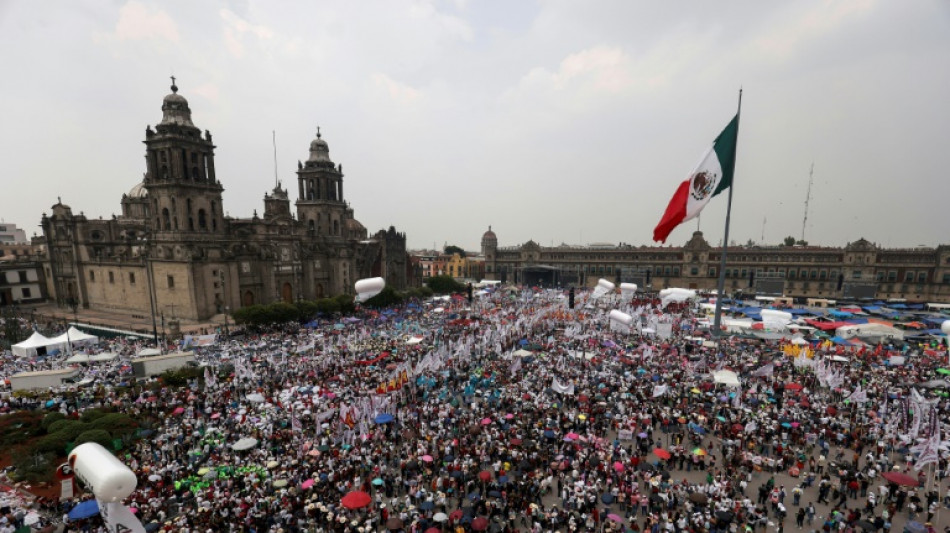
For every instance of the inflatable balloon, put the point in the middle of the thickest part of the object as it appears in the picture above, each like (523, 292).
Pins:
(107, 477)
(627, 290)
(369, 287)
(621, 318)
(774, 319)
(602, 288)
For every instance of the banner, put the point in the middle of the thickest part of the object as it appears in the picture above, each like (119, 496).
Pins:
(562, 389)
(119, 519)
(625, 434)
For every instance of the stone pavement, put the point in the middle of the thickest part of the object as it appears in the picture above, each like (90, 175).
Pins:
(138, 323)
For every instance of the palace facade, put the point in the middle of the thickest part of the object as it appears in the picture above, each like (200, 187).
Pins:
(173, 252)
(859, 270)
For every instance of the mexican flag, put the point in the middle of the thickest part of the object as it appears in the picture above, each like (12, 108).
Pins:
(712, 176)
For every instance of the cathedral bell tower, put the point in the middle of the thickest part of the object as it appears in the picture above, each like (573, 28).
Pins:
(320, 205)
(183, 193)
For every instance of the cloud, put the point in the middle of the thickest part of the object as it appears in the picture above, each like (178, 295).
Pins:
(235, 30)
(399, 93)
(207, 90)
(138, 21)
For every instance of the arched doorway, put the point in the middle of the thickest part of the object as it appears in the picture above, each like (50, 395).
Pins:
(319, 290)
(248, 299)
(287, 293)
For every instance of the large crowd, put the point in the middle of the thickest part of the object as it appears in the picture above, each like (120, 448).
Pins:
(515, 413)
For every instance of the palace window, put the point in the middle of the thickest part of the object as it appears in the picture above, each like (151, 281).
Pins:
(131, 278)
(171, 282)
(908, 276)
(921, 277)
(92, 276)
(111, 277)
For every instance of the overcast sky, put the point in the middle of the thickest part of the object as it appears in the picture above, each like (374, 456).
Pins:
(558, 121)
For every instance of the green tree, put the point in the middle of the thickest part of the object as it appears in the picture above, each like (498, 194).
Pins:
(452, 249)
(345, 301)
(307, 309)
(388, 297)
(95, 435)
(789, 241)
(444, 285)
(328, 306)
(282, 312)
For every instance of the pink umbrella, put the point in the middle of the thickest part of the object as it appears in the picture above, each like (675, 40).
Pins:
(178, 411)
(509, 416)
(486, 421)
(572, 436)
(614, 517)
(427, 458)
(618, 466)
(307, 484)
(215, 416)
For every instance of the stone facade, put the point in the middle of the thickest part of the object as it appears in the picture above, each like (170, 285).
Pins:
(859, 270)
(175, 252)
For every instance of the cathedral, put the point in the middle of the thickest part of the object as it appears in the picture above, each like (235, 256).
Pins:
(173, 252)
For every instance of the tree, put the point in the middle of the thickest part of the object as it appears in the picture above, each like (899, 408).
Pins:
(388, 297)
(801, 242)
(444, 284)
(452, 249)
(789, 241)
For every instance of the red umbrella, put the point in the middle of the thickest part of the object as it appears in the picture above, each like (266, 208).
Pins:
(793, 386)
(484, 475)
(456, 514)
(516, 442)
(480, 524)
(662, 454)
(433, 530)
(356, 500)
(900, 478)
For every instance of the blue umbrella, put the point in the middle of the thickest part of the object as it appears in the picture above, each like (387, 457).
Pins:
(84, 510)
(549, 434)
(378, 481)
(607, 498)
(427, 505)
(473, 496)
(503, 479)
(384, 418)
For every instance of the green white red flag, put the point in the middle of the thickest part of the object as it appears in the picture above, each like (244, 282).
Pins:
(712, 176)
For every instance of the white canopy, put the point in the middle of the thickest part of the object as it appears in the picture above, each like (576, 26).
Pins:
(75, 337)
(726, 377)
(28, 347)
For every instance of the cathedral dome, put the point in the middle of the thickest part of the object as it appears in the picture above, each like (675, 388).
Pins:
(319, 149)
(175, 109)
(139, 191)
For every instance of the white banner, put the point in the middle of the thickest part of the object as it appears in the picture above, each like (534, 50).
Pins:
(119, 519)
(664, 330)
(624, 434)
(66, 489)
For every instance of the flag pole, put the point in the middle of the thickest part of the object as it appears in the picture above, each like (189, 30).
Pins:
(717, 332)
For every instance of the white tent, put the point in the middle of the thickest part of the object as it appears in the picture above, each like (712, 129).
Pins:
(28, 348)
(75, 338)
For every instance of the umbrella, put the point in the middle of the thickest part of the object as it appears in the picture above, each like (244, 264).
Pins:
(280, 483)
(484, 475)
(84, 510)
(480, 523)
(614, 517)
(383, 418)
(151, 527)
(618, 466)
(607, 498)
(426, 458)
(440, 517)
(178, 411)
(900, 478)
(793, 386)
(455, 515)
(503, 479)
(725, 516)
(244, 444)
(473, 495)
(699, 451)
(943, 371)
(494, 494)
(486, 421)
(31, 518)
(255, 398)
(433, 530)
(572, 436)
(427, 505)
(698, 497)
(865, 525)
(356, 500)
(394, 523)
(662, 454)
(305, 485)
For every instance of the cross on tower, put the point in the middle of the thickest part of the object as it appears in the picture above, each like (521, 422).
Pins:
(318, 132)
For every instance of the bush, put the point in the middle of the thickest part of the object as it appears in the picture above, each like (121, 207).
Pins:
(19, 427)
(284, 312)
(50, 418)
(345, 301)
(181, 376)
(33, 467)
(306, 310)
(54, 443)
(72, 430)
(388, 297)
(91, 415)
(100, 436)
(116, 424)
(328, 306)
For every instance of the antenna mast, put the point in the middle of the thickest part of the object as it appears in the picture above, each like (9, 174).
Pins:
(811, 178)
(274, 140)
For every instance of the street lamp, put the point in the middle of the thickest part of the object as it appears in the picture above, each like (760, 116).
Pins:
(151, 287)
(227, 332)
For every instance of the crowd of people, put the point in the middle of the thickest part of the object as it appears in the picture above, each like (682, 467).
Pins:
(515, 413)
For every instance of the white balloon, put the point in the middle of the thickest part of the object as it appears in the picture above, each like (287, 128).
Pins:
(107, 477)
(602, 288)
(621, 318)
(369, 287)
(945, 327)
(627, 290)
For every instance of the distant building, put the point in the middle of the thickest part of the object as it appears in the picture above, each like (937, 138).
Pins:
(21, 282)
(10, 234)
(173, 251)
(859, 270)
